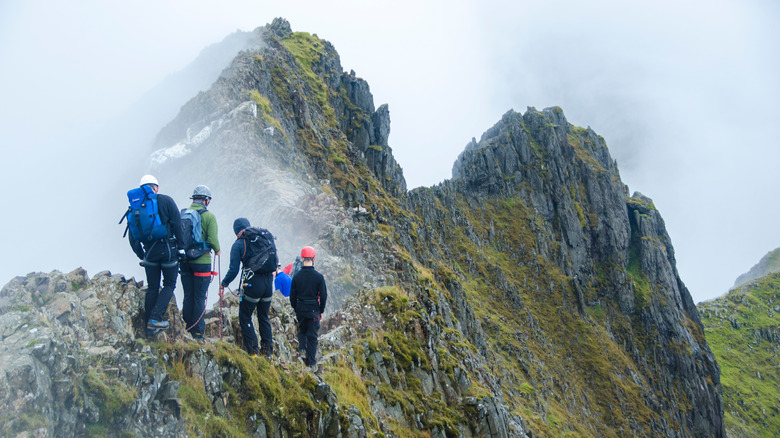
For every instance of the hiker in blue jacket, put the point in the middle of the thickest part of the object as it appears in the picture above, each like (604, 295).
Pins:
(257, 294)
(282, 281)
(160, 259)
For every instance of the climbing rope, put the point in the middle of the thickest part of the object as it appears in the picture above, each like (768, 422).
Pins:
(219, 270)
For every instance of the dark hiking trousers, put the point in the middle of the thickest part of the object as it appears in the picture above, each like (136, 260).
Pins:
(195, 280)
(308, 333)
(160, 262)
(257, 296)
(245, 310)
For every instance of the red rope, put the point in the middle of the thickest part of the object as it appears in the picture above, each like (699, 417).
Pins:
(219, 270)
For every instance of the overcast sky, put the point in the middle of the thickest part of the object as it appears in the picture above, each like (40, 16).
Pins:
(686, 95)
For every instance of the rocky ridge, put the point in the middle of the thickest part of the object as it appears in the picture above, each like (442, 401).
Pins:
(527, 296)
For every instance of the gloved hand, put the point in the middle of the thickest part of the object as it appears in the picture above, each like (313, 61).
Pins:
(181, 255)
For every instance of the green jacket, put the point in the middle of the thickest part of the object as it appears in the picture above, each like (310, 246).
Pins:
(208, 223)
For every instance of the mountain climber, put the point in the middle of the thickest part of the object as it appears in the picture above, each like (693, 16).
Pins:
(196, 273)
(160, 259)
(257, 292)
(308, 296)
(282, 281)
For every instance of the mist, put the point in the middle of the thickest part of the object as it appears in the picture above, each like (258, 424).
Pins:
(685, 95)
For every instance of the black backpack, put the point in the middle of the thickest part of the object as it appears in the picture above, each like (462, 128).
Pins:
(259, 250)
(297, 265)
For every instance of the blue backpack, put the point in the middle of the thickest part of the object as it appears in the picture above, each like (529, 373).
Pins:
(192, 233)
(143, 217)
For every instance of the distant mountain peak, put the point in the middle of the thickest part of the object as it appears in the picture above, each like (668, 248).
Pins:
(769, 264)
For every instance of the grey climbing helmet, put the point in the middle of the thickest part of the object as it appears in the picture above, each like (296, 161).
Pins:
(201, 192)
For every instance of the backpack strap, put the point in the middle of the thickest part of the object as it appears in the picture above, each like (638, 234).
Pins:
(129, 209)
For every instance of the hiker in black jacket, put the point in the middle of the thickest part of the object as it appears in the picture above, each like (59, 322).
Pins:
(308, 295)
(258, 292)
(160, 259)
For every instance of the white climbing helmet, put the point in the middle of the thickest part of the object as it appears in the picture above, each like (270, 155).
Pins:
(148, 179)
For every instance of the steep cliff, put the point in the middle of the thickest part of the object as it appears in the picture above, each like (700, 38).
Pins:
(529, 295)
(568, 283)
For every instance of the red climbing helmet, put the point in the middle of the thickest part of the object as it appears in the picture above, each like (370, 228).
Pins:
(307, 252)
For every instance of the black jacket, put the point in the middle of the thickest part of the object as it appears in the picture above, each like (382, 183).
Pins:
(308, 293)
(166, 249)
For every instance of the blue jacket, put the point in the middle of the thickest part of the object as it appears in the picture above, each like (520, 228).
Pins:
(282, 283)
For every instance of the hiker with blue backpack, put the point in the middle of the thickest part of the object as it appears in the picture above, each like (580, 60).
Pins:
(255, 250)
(199, 231)
(155, 230)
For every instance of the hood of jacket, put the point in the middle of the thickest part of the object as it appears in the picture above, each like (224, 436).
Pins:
(240, 225)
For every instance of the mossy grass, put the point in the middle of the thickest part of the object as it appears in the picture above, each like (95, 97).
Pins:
(350, 389)
(264, 107)
(264, 391)
(112, 397)
(739, 328)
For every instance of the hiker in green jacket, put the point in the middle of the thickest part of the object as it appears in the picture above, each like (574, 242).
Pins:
(196, 273)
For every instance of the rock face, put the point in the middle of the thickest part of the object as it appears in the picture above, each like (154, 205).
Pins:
(538, 210)
(71, 364)
(74, 363)
(529, 295)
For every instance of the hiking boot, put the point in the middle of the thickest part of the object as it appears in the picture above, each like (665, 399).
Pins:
(152, 324)
(253, 355)
(151, 332)
(197, 336)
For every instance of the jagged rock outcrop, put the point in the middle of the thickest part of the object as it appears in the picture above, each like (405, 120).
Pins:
(70, 362)
(541, 206)
(74, 362)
